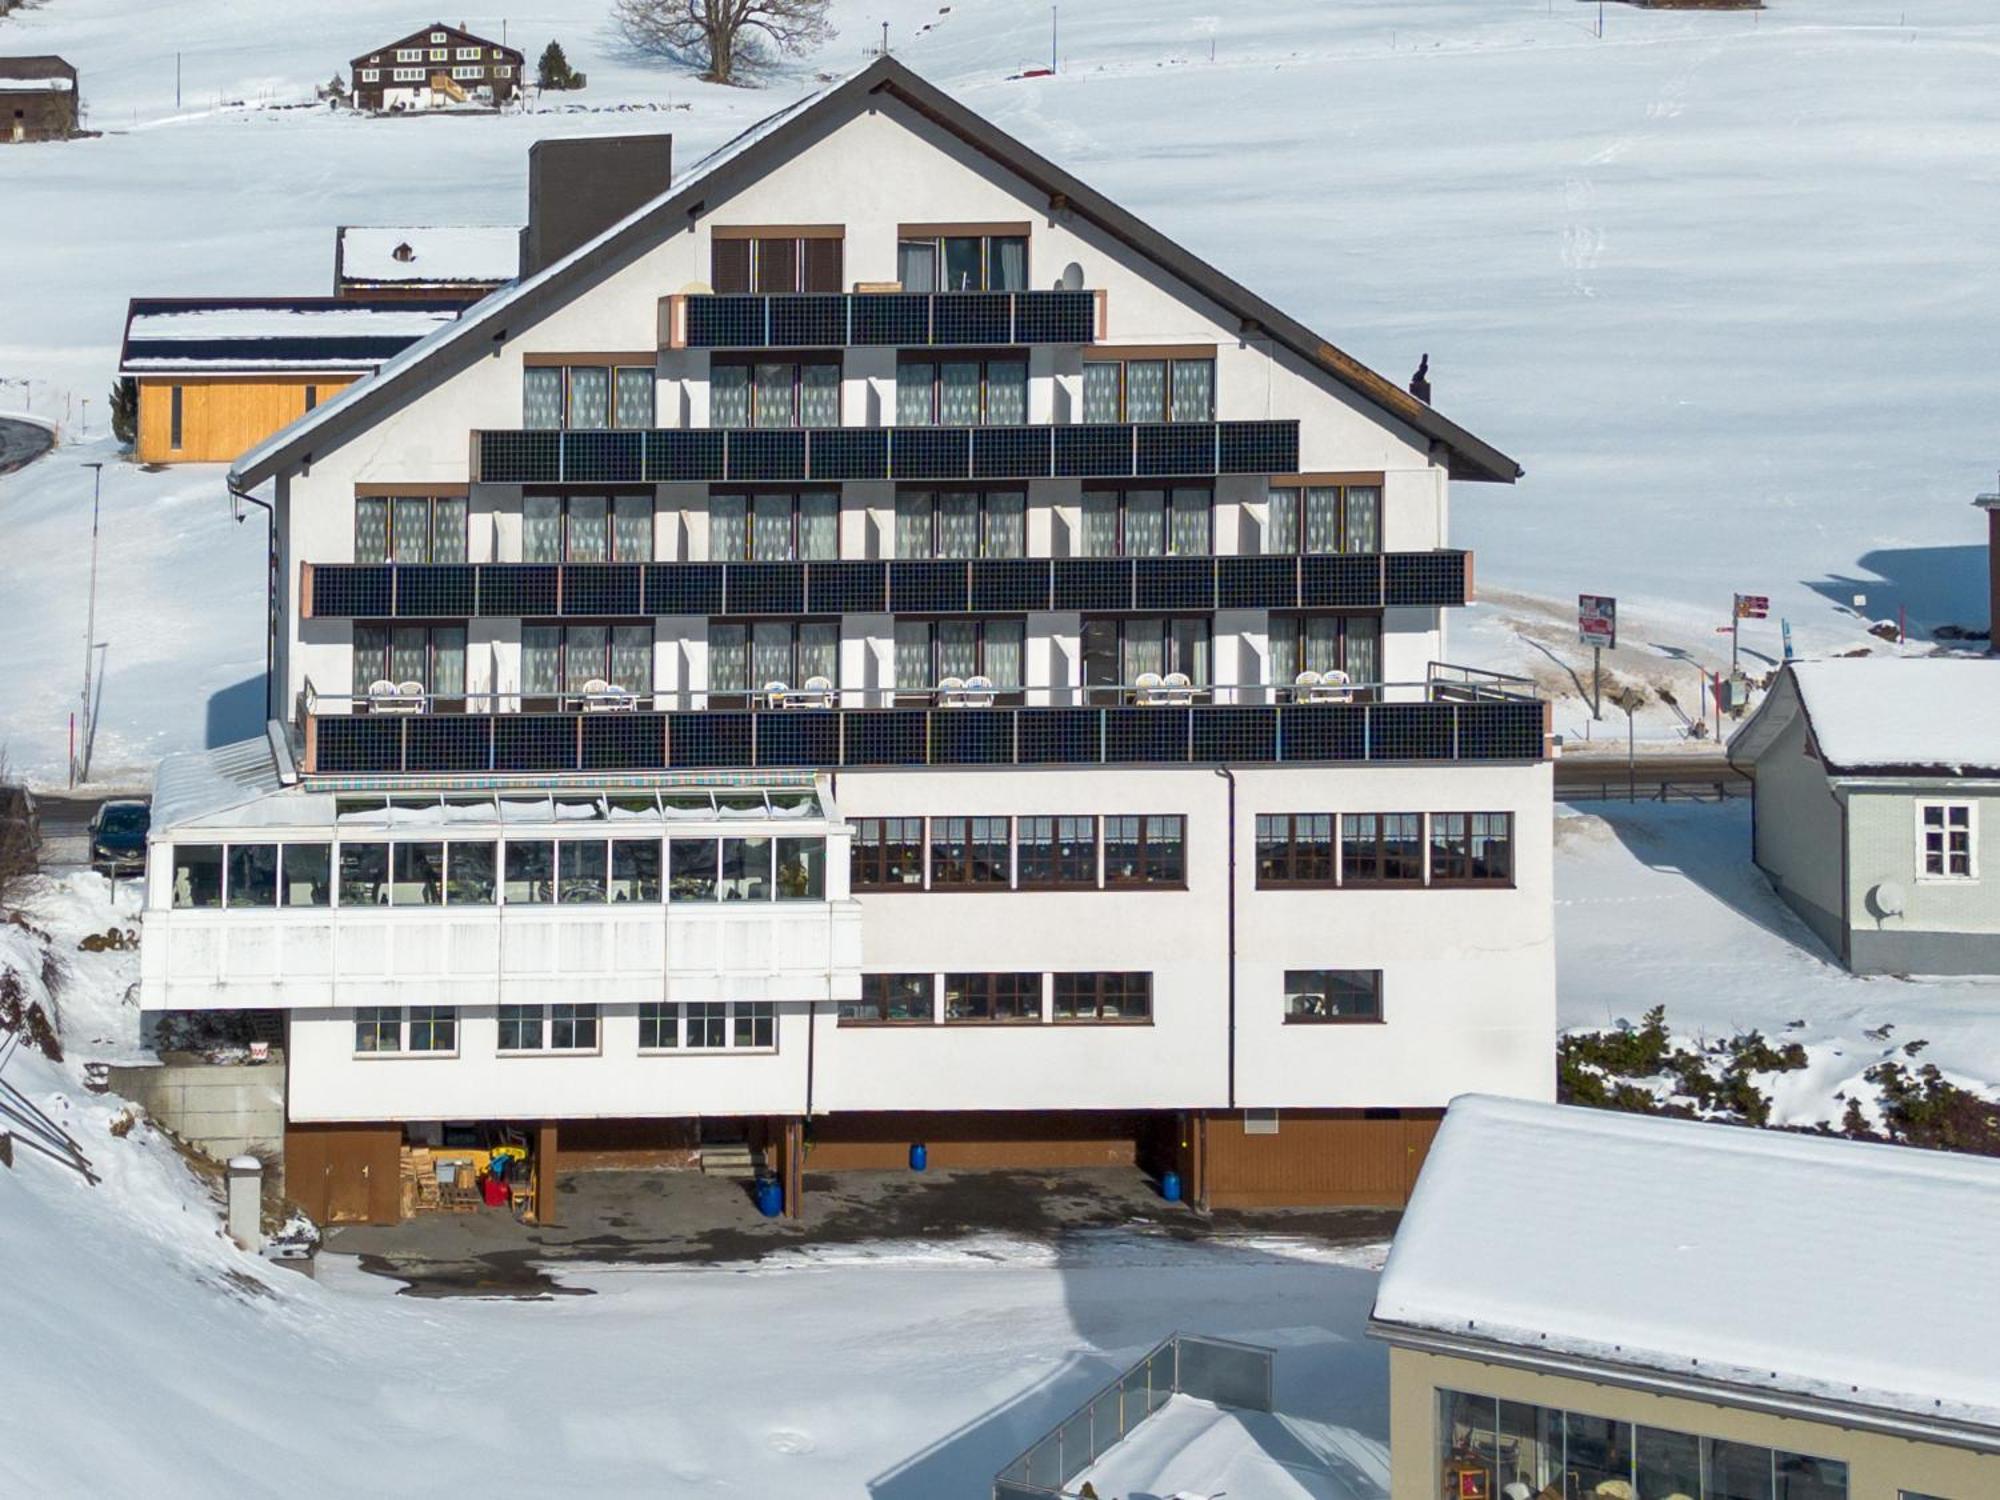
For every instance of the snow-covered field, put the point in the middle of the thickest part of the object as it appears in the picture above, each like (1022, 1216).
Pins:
(1719, 280)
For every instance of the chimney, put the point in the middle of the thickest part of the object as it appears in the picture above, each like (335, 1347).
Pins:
(1990, 503)
(579, 188)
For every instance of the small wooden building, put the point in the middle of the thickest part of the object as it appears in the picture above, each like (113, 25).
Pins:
(38, 99)
(216, 376)
(439, 67)
(434, 262)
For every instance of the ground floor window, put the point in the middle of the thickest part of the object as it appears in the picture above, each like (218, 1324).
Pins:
(1332, 995)
(709, 1025)
(1104, 997)
(993, 997)
(548, 1028)
(388, 1029)
(890, 1000)
(1489, 1448)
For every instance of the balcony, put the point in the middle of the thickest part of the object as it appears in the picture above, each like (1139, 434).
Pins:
(1093, 450)
(1453, 716)
(994, 585)
(900, 320)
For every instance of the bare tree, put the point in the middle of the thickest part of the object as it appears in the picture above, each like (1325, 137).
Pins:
(723, 37)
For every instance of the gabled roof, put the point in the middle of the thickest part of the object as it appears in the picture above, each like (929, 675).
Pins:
(749, 156)
(1886, 716)
(36, 74)
(1770, 1269)
(223, 335)
(422, 38)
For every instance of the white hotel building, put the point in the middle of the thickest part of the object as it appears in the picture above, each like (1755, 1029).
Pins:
(821, 657)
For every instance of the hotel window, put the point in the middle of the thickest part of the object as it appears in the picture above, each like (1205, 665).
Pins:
(1148, 850)
(774, 526)
(433, 1028)
(521, 1028)
(753, 1023)
(1324, 518)
(1381, 849)
(1496, 1448)
(410, 529)
(969, 392)
(1056, 853)
(929, 651)
(962, 262)
(890, 1000)
(572, 1028)
(1332, 996)
(707, 1025)
(659, 1026)
(1295, 849)
(775, 263)
(992, 997)
(581, 397)
(1326, 643)
(961, 523)
(430, 655)
(1148, 522)
(774, 393)
(743, 656)
(1103, 997)
(1118, 650)
(1472, 848)
(1945, 841)
(586, 528)
(970, 853)
(888, 854)
(560, 659)
(1149, 390)
(378, 1028)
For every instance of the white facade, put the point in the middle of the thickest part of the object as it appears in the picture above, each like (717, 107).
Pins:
(1403, 954)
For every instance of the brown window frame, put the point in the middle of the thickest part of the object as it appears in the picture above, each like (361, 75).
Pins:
(1005, 695)
(796, 493)
(1456, 852)
(1297, 853)
(1107, 355)
(869, 866)
(1068, 873)
(804, 270)
(1145, 879)
(937, 359)
(853, 1012)
(1020, 992)
(430, 503)
(610, 495)
(1295, 988)
(1097, 990)
(1381, 856)
(797, 359)
(949, 873)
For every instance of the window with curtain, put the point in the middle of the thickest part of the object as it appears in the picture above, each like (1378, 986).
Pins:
(409, 529)
(589, 397)
(635, 396)
(586, 528)
(542, 397)
(433, 655)
(962, 392)
(916, 265)
(559, 659)
(774, 526)
(962, 262)
(743, 656)
(728, 395)
(1149, 390)
(775, 393)
(1326, 643)
(632, 528)
(1324, 518)
(1148, 522)
(961, 523)
(1116, 650)
(928, 651)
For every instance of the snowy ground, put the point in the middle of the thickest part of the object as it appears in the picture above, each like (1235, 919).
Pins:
(1637, 262)
(1660, 905)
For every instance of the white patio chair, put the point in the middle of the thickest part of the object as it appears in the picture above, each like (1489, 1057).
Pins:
(951, 692)
(818, 693)
(1147, 687)
(979, 692)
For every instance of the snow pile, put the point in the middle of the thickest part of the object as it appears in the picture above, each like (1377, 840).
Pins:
(444, 252)
(1940, 712)
(1779, 1262)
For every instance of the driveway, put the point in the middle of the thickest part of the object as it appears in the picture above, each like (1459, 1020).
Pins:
(21, 443)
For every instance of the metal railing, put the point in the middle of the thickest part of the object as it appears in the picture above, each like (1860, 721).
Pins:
(1184, 1364)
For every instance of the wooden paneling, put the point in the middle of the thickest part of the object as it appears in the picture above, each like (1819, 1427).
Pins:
(1321, 1157)
(222, 418)
(881, 1142)
(629, 1145)
(344, 1174)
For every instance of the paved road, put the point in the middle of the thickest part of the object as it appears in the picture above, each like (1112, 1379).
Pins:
(1589, 777)
(21, 443)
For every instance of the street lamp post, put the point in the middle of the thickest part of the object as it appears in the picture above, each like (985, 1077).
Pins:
(90, 616)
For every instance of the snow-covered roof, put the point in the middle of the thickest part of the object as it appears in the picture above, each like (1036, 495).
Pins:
(53, 85)
(200, 783)
(306, 333)
(1798, 1269)
(1468, 456)
(429, 255)
(1889, 715)
(39, 73)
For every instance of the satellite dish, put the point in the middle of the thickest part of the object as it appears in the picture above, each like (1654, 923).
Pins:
(1887, 899)
(1072, 277)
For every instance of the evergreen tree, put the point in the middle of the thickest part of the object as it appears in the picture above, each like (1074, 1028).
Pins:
(125, 411)
(554, 71)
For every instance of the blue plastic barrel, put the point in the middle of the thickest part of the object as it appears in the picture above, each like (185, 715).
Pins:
(770, 1197)
(1170, 1186)
(919, 1157)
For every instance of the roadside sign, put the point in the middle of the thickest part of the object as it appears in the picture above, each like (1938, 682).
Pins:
(1597, 621)
(1753, 607)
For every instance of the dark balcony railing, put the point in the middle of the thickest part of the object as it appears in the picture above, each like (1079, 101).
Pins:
(904, 320)
(1095, 450)
(1013, 585)
(1449, 721)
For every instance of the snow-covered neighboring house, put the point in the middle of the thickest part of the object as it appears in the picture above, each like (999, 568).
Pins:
(1587, 1303)
(217, 375)
(430, 262)
(1877, 800)
(1003, 713)
(38, 99)
(439, 67)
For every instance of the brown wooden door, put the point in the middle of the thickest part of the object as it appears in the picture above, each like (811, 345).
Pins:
(344, 1174)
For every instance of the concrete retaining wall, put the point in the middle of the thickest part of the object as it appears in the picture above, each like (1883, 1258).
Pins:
(220, 1111)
